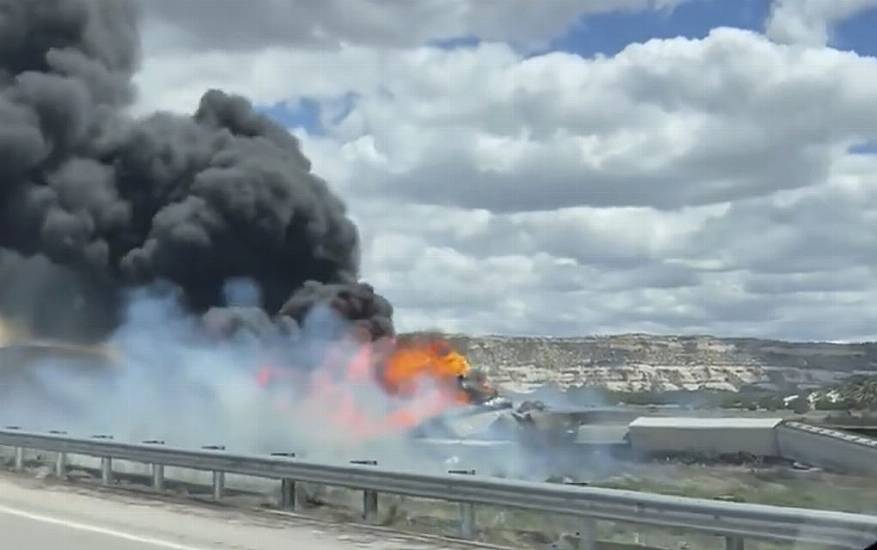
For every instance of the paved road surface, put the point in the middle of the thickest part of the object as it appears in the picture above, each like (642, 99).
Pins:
(40, 515)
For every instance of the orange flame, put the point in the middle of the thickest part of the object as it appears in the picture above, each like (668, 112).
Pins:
(411, 364)
(417, 381)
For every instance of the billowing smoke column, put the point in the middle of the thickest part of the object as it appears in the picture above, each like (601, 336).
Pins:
(93, 201)
(218, 271)
(156, 235)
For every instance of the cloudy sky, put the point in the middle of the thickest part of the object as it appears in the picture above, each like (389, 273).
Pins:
(569, 167)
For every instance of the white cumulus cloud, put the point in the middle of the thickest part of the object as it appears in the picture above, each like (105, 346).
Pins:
(680, 185)
(810, 22)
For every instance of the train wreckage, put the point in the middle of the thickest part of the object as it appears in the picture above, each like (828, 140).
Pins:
(481, 412)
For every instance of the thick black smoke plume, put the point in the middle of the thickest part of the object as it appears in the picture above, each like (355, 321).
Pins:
(371, 312)
(93, 201)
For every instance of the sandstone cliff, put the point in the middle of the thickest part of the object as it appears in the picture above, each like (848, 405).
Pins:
(639, 362)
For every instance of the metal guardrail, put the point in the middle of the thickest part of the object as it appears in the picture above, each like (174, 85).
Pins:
(735, 521)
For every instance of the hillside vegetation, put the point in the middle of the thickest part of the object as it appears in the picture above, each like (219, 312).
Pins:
(646, 363)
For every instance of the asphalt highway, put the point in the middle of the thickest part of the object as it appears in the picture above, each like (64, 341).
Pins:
(42, 515)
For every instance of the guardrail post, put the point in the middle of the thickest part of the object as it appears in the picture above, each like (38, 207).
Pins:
(157, 469)
(158, 477)
(19, 452)
(287, 494)
(218, 477)
(218, 485)
(588, 534)
(60, 458)
(369, 496)
(61, 465)
(733, 542)
(106, 470)
(467, 520)
(370, 506)
(106, 463)
(467, 511)
(19, 459)
(288, 498)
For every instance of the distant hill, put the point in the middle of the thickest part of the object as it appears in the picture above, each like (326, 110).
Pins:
(640, 362)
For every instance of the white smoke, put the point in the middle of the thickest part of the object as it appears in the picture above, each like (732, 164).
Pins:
(170, 379)
(242, 292)
(162, 382)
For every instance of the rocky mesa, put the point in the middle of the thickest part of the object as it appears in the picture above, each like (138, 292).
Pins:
(640, 362)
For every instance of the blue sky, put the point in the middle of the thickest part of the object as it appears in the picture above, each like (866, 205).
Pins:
(303, 114)
(608, 33)
(605, 34)
(307, 113)
(495, 194)
(857, 33)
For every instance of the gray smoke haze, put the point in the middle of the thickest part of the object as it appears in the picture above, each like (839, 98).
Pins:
(157, 235)
(164, 377)
(93, 201)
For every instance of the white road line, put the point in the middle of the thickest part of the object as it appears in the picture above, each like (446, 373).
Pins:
(99, 530)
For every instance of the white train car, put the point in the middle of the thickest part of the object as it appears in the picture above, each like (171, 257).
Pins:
(657, 435)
